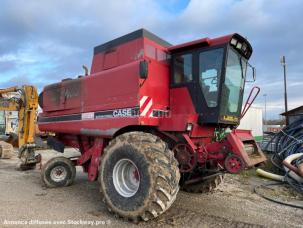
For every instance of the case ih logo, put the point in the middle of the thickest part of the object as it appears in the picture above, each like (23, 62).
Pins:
(146, 104)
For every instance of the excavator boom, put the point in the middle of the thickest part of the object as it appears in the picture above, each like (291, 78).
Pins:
(23, 99)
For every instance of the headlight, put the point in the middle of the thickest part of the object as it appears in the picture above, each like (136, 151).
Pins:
(239, 45)
(189, 127)
(244, 47)
(233, 41)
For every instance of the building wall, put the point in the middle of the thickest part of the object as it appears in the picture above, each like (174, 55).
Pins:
(272, 128)
(294, 114)
(294, 118)
(253, 120)
(11, 122)
(8, 122)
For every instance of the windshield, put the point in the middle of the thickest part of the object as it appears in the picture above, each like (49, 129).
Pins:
(210, 67)
(234, 84)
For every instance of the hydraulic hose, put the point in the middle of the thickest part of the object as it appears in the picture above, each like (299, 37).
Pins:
(291, 178)
(269, 175)
(293, 171)
(288, 153)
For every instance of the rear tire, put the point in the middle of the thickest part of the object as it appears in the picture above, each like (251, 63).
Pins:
(206, 186)
(139, 176)
(58, 172)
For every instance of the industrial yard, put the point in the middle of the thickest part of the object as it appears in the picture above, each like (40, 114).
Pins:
(233, 204)
(178, 113)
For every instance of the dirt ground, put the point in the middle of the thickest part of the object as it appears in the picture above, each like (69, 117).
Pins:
(23, 200)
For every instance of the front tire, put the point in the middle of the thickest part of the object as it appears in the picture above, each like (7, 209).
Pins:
(139, 176)
(58, 172)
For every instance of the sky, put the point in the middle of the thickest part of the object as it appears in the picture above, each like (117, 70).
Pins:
(43, 42)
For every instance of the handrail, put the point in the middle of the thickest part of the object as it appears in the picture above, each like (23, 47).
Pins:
(249, 101)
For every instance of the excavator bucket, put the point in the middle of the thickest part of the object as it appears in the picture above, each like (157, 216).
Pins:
(12, 139)
(245, 146)
(6, 150)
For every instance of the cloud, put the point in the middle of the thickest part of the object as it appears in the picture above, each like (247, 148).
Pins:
(45, 41)
(273, 28)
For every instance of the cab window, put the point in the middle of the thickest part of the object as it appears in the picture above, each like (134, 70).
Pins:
(210, 67)
(183, 70)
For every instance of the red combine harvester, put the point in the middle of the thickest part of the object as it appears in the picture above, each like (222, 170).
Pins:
(151, 117)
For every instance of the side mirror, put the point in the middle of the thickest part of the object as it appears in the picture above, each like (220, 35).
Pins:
(251, 72)
(143, 69)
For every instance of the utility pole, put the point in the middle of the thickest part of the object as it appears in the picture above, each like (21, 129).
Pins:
(283, 63)
(265, 119)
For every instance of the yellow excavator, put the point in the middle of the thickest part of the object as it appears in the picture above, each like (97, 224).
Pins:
(23, 99)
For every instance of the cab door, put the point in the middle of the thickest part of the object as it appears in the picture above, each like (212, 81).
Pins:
(209, 71)
(183, 75)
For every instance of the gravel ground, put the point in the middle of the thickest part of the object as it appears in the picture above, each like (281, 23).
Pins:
(23, 200)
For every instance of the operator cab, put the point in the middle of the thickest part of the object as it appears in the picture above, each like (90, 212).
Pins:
(214, 72)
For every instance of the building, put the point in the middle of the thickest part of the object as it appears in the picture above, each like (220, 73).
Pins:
(294, 114)
(253, 120)
(270, 128)
(8, 122)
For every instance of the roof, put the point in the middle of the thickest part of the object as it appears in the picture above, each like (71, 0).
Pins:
(205, 41)
(129, 37)
(144, 33)
(212, 42)
(295, 111)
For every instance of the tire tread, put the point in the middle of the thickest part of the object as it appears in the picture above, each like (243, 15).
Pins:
(164, 171)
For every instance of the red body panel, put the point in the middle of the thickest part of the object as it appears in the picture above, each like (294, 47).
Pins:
(114, 84)
(118, 55)
(179, 115)
(100, 127)
(94, 92)
(239, 140)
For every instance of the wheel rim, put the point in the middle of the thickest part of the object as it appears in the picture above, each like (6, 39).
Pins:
(233, 164)
(126, 178)
(186, 157)
(58, 173)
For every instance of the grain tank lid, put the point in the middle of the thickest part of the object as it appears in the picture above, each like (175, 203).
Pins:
(129, 37)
